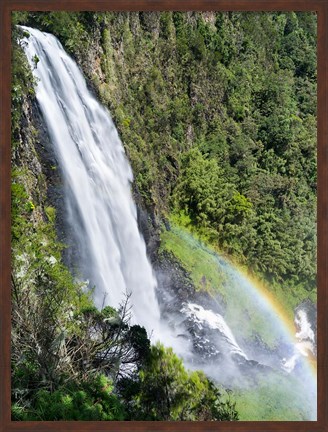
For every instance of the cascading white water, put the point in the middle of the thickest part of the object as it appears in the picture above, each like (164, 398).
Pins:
(98, 180)
(213, 320)
(305, 332)
(306, 341)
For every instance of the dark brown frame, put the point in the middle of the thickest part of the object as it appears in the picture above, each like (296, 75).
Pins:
(319, 6)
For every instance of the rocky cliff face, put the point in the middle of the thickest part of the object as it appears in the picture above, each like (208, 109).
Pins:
(34, 158)
(27, 163)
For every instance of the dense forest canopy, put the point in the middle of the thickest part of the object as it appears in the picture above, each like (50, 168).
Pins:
(217, 113)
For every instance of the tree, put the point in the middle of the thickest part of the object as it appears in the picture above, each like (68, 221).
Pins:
(165, 390)
(201, 189)
(90, 400)
(105, 342)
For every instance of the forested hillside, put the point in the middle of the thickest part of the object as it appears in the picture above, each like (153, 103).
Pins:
(217, 114)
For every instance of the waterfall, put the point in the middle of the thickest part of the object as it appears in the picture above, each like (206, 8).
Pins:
(97, 180)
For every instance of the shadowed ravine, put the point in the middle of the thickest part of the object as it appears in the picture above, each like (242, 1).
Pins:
(112, 253)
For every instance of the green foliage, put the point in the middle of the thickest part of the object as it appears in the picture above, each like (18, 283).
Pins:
(22, 79)
(30, 206)
(200, 187)
(212, 202)
(165, 390)
(51, 213)
(105, 341)
(90, 400)
(66, 24)
(217, 114)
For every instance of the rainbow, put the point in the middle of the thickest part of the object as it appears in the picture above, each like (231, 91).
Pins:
(259, 290)
(252, 309)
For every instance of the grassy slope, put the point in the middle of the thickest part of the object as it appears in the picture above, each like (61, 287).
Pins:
(268, 400)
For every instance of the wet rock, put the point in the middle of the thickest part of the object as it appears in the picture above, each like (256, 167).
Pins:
(149, 227)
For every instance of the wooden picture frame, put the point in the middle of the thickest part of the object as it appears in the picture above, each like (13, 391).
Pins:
(319, 6)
